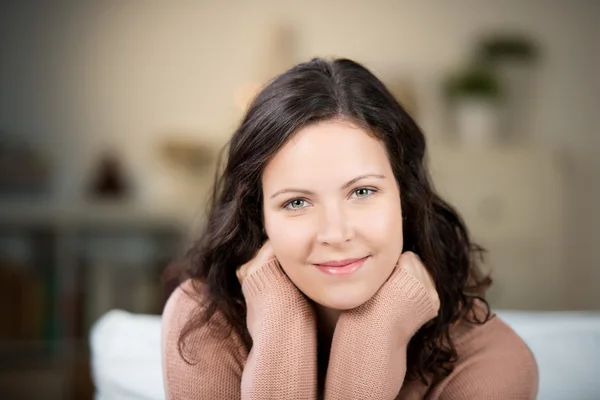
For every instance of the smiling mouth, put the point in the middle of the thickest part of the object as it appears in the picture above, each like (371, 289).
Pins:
(341, 268)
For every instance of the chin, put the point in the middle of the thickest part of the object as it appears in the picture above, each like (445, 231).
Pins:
(344, 301)
(345, 304)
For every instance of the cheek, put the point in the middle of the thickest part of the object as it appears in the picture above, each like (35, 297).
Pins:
(383, 225)
(290, 237)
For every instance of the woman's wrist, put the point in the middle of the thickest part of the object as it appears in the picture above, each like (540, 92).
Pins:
(410, 300)
(275, 306)
(402, 304)
(264, 278)
(268, 287)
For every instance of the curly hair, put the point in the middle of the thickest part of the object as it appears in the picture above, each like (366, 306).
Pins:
(311, 92)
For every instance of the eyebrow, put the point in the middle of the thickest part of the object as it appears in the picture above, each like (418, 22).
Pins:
(346, 185)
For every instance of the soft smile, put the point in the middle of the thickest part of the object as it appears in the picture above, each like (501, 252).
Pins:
(341, 267)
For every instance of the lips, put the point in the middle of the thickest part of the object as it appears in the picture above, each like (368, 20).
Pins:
(341, 267)
(339, 263)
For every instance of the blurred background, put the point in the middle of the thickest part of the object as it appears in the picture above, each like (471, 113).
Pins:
(112, 113)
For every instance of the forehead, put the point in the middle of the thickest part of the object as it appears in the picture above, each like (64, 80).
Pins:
(326, 152)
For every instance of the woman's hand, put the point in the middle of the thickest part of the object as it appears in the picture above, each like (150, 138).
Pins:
(369, 349)
(413, 265)
(282, 325)
(263, 256)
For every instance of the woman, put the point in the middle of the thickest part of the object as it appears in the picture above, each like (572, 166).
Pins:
(329, 268)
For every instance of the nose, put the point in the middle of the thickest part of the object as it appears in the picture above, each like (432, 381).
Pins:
(335, 228)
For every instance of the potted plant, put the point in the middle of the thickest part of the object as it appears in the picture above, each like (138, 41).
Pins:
(512, 57)
(473, 96)
(507, 47)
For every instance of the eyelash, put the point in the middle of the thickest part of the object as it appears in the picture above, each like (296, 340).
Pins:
(286, 205)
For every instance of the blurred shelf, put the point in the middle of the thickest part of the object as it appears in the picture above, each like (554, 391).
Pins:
(77, 261)
(42, 370)
(512, 199)
(22, 353)
(40, 213)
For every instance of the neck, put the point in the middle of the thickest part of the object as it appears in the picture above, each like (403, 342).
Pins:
(327, 319)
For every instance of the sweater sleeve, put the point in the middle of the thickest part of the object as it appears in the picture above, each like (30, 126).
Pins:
(368, 351)
(503, 369)
(281, 363)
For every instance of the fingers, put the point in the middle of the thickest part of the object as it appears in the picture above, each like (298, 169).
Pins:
(414, 266)
(264, 255)
(266, 250)
(409, 259)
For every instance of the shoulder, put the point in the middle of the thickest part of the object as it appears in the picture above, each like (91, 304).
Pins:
(197, 362)
(183, 305)
(183, 309)
(493, 362)
(495, 339)
(184, 300)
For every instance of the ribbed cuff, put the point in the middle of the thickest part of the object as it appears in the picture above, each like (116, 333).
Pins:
(266, 276)
(411, 291)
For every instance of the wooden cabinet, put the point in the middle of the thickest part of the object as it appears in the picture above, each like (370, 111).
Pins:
(513, 202)
(68, 266)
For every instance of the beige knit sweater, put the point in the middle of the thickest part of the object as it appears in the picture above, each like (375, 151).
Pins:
(367, 356)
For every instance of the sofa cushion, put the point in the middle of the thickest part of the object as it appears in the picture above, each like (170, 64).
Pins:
(126, 357)
(566, 346)
(126, 354)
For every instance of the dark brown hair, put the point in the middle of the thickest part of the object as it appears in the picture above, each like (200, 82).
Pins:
(310, 92)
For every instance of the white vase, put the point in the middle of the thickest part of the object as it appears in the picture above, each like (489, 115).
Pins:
(516, 78)
(476, 121)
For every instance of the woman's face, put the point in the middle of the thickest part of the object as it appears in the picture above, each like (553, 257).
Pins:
(330, 197)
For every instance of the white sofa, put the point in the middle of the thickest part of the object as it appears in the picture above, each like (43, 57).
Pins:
(126, 358)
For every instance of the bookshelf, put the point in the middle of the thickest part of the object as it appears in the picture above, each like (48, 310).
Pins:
(62, 267)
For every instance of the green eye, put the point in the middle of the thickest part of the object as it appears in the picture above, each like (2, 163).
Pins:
(296, 204)
(363, 192)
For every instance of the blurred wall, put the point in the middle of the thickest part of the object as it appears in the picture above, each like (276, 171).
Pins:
(77, 76)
